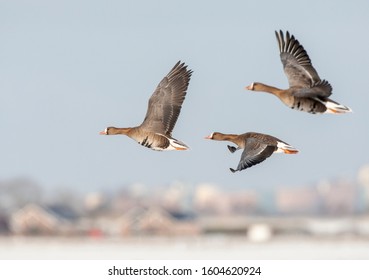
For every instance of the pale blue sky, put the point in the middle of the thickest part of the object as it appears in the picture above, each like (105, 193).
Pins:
(68, 69)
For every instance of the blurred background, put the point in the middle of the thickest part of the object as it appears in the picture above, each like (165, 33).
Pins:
(68, 69)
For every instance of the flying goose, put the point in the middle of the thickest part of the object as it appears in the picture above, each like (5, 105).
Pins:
(306, 92)
(257, 147)
(163, 110)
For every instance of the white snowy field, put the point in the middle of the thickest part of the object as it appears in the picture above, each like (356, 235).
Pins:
(203, 247)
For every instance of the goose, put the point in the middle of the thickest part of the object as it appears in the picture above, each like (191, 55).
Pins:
(164, 106)
(306, 92)
(257, 147)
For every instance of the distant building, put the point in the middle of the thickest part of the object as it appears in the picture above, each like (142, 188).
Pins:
(34, 219)
(338, 197)
(210, 200)
(151, 221)
(244, 202)
(4, 225)
(363, 180)
(297, 201)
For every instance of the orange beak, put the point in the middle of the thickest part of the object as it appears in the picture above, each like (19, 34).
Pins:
(250, 87)
(102, 132)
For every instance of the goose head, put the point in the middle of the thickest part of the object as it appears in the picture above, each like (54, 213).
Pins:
(214, 136)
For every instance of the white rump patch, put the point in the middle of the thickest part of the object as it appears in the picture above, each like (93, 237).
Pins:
(283, 146)
(176, 144)
(333, 108)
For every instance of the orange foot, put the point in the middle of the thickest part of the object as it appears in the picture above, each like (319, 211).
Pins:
(290, 151)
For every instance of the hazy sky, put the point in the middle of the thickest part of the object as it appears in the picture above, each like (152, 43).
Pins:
(68, 69)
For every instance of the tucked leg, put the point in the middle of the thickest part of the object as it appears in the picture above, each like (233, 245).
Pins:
(232, 149)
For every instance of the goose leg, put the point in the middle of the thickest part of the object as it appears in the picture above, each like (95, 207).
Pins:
(232, 149)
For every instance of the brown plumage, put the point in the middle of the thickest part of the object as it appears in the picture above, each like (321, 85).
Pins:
(257, 147)
(306, 92)
(163, 110)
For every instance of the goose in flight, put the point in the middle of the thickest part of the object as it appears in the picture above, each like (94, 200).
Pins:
(163, 110)
(257, 147)
(306, 92)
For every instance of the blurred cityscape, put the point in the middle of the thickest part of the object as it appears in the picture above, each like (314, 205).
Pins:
(337, 207)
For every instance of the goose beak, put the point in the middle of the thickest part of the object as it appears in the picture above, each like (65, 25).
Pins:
(250, 87)
(210, 136)
(104, 132)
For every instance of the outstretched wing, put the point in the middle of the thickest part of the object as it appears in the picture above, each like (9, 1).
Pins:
(166, 102)
(319, 89)
(254, 153)
(298, 68)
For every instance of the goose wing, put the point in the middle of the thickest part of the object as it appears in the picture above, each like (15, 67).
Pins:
(166, 102)
(254, 153)
(299, 70)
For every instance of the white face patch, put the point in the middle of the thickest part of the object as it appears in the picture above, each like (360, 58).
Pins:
(106, 131)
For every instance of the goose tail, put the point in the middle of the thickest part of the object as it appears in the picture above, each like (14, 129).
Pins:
(336, 108)
(283, 147)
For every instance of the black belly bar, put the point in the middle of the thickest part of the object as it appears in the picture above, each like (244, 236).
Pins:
(145, 143)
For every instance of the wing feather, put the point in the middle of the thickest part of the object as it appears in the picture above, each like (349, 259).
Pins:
(166, 102)
(254, 153)
(296, 62)
(301, 74)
